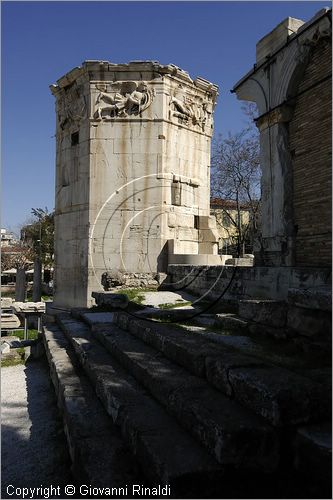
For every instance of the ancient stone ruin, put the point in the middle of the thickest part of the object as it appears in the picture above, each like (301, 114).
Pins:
(133, 172)
(230, 396)
(291, 85)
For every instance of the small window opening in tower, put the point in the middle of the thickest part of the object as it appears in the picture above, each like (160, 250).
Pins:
(75, 139)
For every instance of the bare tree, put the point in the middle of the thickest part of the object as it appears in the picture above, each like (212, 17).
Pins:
(17, 256)
(20, 257)
(236, 178)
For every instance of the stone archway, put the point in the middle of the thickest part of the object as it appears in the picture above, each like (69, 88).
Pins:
(282, 58)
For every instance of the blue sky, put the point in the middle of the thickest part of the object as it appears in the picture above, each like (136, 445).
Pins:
(41, 41)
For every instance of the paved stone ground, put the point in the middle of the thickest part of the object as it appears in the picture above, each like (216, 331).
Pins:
(33, 446)
(156, 298)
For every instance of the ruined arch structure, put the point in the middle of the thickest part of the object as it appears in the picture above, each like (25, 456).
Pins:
(291, 85)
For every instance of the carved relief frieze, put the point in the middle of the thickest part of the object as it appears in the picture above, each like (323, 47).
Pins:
(72, 107)
(191, 110)
(122, 99)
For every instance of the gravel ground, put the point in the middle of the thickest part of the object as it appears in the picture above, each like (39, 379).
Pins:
(33, 447)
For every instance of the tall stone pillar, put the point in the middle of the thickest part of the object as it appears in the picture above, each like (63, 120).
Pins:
(277, 229)
(132, 172)
(20, 285)
(37, 284)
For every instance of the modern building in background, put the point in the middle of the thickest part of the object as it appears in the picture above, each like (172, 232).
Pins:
(7, 238)
(230, 220)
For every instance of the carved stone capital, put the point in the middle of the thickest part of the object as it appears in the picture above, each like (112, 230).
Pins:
(281, 114)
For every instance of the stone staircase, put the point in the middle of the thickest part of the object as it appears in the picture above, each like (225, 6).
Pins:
(97, 451)
(191, 406)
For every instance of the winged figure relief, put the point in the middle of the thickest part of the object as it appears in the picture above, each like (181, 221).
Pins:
(190, 110)
(124, 99)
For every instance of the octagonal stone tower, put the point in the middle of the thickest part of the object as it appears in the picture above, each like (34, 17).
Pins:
(132, 172)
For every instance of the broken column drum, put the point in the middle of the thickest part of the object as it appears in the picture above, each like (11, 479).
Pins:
(132, 172)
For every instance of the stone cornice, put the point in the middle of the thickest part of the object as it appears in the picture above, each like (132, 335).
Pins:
(310, 32)
(105, 70)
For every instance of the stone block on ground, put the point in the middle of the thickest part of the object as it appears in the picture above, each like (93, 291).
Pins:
(5, 348)
(29, 306)
(110, 299)
(9, 321)
(6, 302)
(230, 321)
(9, 339)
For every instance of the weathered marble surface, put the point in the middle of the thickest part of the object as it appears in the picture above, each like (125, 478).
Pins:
(132, 172)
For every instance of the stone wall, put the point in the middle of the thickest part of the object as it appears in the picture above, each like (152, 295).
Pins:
(311, 146)
(272, 283)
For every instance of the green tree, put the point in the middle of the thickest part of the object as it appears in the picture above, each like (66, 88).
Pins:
(39, 234)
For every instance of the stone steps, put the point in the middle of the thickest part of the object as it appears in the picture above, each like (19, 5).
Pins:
(143, 423)
(230, 433)
(273, 349)
(279, 395)
(230, 321)
(157, 381)
(252, 317)
(305, 313)
(266, 312)
(98, 453)
(236, 322)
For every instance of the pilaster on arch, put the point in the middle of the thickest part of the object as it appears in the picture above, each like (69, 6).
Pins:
(282, 58)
